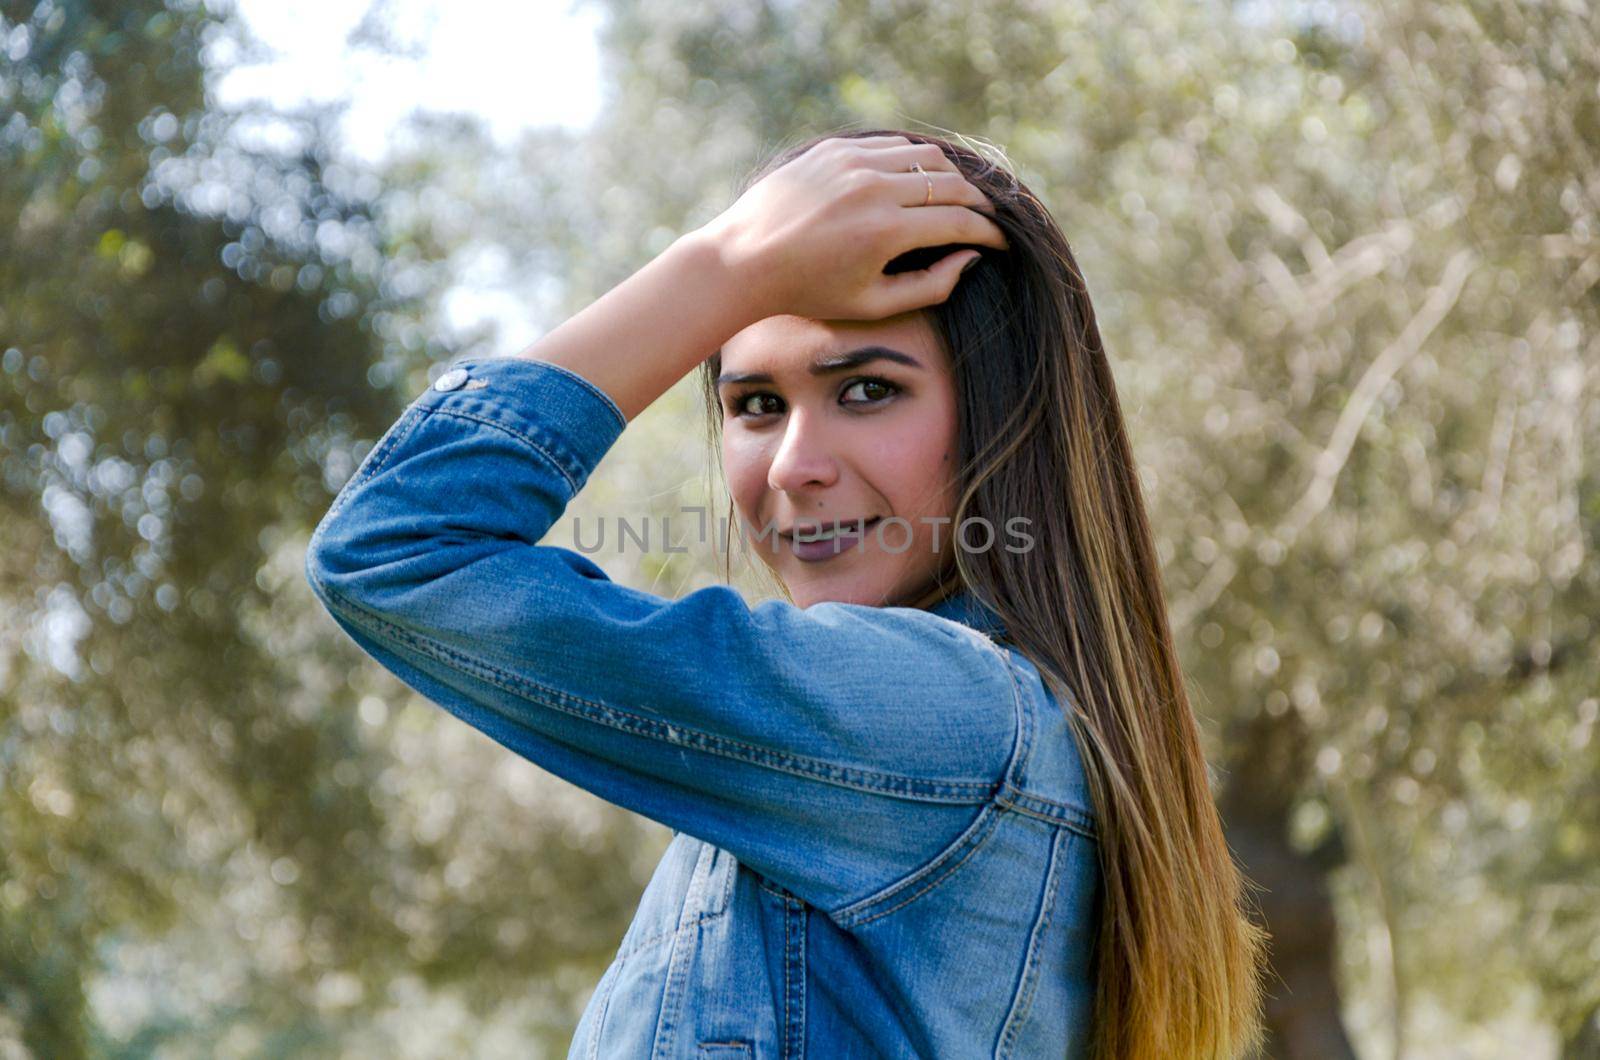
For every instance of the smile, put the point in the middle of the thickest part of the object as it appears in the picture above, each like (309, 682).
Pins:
(817, 544)
(802, 535)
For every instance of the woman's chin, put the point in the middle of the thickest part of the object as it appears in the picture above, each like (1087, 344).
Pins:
(806, 590)
(814, 590)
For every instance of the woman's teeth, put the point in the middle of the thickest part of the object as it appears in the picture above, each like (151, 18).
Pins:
(833, 531)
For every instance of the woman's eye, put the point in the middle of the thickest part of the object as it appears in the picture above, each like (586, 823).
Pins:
(743, 405)
(875, 390)
(763, 403)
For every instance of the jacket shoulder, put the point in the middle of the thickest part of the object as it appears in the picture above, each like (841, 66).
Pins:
(1049, 777)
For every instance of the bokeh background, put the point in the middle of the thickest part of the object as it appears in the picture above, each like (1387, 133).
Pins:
(1345, 255)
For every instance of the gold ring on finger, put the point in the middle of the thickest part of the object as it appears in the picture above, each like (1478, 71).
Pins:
(916, 167)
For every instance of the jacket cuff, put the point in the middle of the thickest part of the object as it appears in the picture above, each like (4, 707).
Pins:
(558, 411)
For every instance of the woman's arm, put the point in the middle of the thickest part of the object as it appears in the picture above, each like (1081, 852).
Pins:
(836, 749)
(649, 331)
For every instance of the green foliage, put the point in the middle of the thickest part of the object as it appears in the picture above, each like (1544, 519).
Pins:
(196, 337)
(1345, 262)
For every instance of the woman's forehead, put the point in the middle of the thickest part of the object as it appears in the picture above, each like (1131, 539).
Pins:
(788, 344)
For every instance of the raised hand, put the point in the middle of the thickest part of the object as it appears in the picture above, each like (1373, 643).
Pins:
(812, 238)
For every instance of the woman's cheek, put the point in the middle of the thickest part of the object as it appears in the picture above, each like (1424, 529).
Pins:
(924, 483)
(745, 476)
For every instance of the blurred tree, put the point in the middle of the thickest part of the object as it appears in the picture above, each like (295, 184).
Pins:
(162, 365)
(199, 789)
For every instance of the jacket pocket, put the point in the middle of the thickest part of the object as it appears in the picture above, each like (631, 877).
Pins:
(725, 1051)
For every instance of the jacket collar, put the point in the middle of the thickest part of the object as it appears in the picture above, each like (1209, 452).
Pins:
(964, 607)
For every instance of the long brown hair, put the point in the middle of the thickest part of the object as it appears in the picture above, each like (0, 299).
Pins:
(1041, 435)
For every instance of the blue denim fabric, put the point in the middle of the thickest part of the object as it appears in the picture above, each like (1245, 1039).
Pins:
(884, 843)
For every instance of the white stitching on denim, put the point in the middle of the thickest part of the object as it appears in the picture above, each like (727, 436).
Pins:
(613, 973)
(772, 888)
(660, 936)
(373, 462)
(730, 873)
(973, 838)
(1028, 983)
(1043, 809)
(685, 944)
(794, 980)
(572, 479)
(605, 398)
(1011, 795)
(1022, 708)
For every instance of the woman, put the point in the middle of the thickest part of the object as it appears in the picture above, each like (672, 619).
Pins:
(947, 799)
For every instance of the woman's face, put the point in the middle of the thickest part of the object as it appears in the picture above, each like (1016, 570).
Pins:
(829, 422)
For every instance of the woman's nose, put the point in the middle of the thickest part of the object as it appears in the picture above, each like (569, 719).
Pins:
(804, 458)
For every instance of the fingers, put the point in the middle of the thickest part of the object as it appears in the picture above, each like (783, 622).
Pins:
(950, 185)
(933, 226)
(906, 291)
(873, 141)
(897, 158)
(949, 189)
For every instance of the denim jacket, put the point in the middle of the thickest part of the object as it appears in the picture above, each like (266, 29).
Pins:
(883, 843)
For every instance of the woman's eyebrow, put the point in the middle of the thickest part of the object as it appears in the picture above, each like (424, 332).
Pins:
(827, 365)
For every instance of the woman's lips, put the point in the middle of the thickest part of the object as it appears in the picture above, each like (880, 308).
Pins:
(849, 537)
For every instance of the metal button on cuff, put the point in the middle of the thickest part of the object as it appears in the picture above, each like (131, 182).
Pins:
(451, 380)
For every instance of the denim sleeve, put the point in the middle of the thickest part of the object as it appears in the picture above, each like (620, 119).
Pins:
(835, 748)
